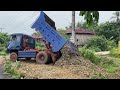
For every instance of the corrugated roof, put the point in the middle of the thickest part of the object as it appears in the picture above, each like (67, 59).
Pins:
(79, 30)
(38, 37)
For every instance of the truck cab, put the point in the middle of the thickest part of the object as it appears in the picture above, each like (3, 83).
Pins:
(20, 42)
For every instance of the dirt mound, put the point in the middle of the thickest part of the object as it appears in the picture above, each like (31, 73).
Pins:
(72, 59)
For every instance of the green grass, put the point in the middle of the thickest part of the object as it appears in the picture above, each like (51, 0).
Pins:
(114, 53)
(109, 64)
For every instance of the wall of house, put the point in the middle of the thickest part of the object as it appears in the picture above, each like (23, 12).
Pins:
(83, 38)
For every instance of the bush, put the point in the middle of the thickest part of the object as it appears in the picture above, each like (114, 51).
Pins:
(3, 51)
(114, 53)
(89, 54)
(11, 68)
(100, 43)
(104, 62)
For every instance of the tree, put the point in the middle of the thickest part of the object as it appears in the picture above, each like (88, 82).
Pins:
(116, 15)
(36, 34)
(63, 33)
(109, 29)
(91, 17)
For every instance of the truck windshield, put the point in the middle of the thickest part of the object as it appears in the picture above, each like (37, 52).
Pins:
(15, 38)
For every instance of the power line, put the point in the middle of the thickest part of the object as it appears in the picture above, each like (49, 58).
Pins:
(14, 19)
(33, 15)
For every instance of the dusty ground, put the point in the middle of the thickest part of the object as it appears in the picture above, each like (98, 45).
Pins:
(67, 67)
(74, 68)
(85, 70)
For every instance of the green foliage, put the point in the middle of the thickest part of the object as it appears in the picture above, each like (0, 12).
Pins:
(11, 68)
(114, 53)
(36, 34)
(100, 43)
(89, 54)
(109, 29)
(91, 17)
(104, 62)
(3, 51)
(39, 46)
(63, 33)
(4, 37)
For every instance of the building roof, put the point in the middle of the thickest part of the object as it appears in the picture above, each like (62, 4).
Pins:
(79, 30)
(38, 37)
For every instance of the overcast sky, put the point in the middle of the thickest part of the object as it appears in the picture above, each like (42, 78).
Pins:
(21, 21)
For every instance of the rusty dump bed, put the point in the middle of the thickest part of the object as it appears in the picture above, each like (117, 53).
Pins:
(46, 26)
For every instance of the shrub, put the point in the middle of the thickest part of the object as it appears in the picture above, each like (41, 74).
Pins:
(3, 51)
(89, 54)
(11, 68)
(100, 43)
(114, 53)
(104, 62)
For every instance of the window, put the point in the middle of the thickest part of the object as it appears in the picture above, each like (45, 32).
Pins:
(29, 40)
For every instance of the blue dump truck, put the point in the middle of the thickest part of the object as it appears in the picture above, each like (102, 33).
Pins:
(23, 46)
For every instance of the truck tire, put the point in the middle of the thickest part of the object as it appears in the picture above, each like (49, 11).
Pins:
(43, 58)
(13, 56)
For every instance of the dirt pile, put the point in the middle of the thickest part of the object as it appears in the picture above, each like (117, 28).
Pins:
(71, 59)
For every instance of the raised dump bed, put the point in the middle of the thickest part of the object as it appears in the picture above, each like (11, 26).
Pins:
(48, 30)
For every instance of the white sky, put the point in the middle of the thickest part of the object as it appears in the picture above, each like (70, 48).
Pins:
(21, 21)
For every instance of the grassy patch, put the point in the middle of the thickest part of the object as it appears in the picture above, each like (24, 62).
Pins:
(11, 68)
(109, 64)
(114, 53)
(89, 54)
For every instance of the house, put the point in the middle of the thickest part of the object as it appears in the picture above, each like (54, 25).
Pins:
(83, 35)
(38, 39)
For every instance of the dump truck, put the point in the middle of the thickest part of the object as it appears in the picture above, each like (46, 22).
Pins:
(23, 46)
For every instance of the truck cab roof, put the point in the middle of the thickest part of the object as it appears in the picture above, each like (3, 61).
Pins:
(22, 34)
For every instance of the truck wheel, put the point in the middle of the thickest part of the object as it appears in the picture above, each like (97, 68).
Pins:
(42, 58)
(13, 56)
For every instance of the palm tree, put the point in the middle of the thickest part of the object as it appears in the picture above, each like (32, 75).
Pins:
(116, 15)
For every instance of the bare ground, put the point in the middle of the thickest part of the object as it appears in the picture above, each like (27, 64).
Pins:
(68, 67)
(62, 70)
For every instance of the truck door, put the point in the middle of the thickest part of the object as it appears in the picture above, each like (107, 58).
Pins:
(24, 41)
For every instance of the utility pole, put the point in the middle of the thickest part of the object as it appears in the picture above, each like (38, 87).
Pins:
(1, 29)
(73, 28)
